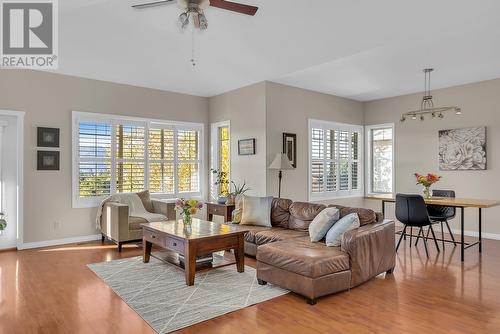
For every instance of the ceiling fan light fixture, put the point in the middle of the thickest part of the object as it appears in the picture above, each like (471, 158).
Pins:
(203, 21)
(184, 20)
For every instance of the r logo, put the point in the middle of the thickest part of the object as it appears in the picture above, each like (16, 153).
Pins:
(27, 28)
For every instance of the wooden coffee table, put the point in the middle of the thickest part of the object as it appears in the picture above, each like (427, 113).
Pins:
(202, 237)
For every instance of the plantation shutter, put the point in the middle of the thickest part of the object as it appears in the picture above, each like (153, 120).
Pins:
(335, 168)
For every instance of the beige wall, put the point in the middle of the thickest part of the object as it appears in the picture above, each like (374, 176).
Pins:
(416, 148)
(245, 108)
(48, 100)
(288, 110)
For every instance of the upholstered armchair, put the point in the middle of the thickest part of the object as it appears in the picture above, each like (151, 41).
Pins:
(119, 227)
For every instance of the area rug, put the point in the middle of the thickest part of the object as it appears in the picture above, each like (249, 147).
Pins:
(158, 293)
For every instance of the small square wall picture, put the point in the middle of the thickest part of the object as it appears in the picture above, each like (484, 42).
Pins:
(47, 137)
(47, 160)
(462, 149)
(246, 146)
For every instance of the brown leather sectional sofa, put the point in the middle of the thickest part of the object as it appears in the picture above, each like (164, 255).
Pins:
(286, 256)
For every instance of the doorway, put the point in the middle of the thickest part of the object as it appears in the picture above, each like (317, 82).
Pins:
(11, 172)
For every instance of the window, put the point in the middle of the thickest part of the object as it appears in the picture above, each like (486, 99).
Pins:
(221, 147)
(380, 157)
(114, 154)
(335, 168)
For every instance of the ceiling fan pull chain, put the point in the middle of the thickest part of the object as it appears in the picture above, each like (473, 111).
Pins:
(193, 62)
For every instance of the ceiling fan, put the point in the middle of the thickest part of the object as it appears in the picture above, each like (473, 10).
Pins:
(194, 9)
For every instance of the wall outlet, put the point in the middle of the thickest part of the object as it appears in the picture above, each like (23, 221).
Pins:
(57, 225)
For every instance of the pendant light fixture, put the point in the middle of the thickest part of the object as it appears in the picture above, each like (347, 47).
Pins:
(427, 104)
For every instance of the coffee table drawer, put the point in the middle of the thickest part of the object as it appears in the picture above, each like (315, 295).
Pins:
(175, 245)
(156, 238)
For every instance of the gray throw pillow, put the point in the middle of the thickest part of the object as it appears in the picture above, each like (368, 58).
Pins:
(322, 223)
(344, 224)
(256, 211)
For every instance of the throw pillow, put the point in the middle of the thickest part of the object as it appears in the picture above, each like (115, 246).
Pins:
(238, 210)
(344, 224)
(256, 211)
(322, 223)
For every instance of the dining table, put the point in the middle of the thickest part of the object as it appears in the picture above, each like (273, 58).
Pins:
(457, 202)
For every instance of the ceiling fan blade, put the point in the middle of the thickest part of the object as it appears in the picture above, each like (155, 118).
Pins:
(234, 7)
(152, 3)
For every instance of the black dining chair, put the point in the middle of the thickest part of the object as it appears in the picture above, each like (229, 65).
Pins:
(441, 214)
(412, 212)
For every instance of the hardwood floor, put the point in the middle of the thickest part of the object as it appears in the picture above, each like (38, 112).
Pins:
(51, 291)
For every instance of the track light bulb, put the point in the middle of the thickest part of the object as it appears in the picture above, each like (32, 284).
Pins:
(458, 111)
(422, 117)
(441, 115)
(414, 117)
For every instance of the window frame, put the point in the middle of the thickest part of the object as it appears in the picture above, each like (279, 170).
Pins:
(329, 195)
(369, 157)
(113, 120)
(215, 154)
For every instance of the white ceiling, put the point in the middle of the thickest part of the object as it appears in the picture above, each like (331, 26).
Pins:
(361, 49)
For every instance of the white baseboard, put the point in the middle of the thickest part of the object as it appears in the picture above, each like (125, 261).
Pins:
(57, 242)
(484, 235)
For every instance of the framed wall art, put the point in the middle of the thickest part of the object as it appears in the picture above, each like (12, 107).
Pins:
(462, 149)
(47, 160)
(47, 137)
(246, 146)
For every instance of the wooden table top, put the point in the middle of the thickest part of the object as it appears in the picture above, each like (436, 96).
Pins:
(199, 229)
(446, 201)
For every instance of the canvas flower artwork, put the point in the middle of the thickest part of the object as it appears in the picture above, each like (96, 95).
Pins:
(462, 149)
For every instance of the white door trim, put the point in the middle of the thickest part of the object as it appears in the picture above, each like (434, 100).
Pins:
(214, 154)
(20, 176)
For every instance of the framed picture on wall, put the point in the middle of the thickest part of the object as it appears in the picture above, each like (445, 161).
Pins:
(47, 160)
(290, 147)
(47, 137)
(246, 146)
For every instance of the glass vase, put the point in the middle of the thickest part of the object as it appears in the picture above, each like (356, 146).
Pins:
(426, 193)
(186, 219)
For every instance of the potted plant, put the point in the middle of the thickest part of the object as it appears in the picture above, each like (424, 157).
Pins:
(188, 208)
(427, 181)
(221, 180)
(3, 223)
(238, 190)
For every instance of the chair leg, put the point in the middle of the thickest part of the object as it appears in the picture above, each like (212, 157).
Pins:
(451, 234)
(418, 235)
(442, 234)
(401, 237)
(425, 242)
(102, 238)
(434, 236)
(411, 234)
(119, 247)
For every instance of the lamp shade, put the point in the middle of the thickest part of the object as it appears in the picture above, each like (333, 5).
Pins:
(281, 162)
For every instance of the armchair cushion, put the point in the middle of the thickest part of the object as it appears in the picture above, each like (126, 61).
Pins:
(146, 200)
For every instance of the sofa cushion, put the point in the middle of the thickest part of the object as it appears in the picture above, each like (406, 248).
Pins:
(146, 200)
(280, 212)
(346, 223)
(302, 214)
(134, 223)
(303, 257)
(366, 216)
(252, 230)
(256, 211)
(322, 223)
(277, 234)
